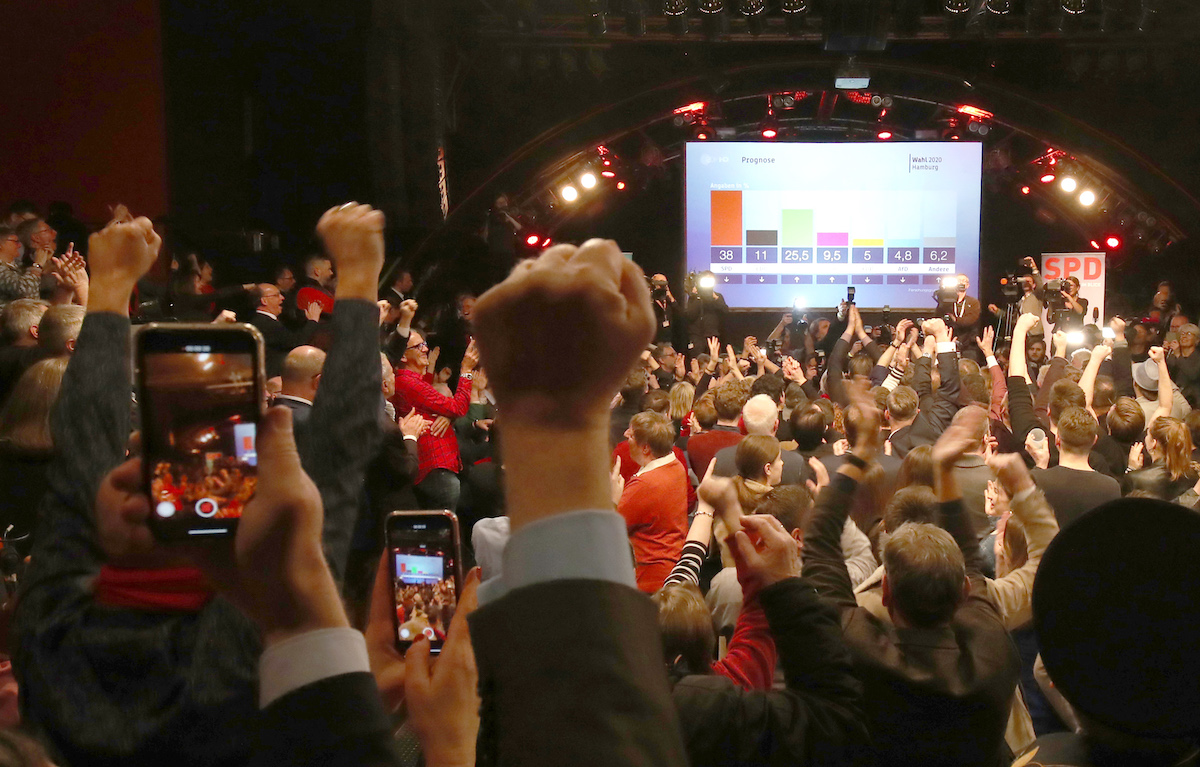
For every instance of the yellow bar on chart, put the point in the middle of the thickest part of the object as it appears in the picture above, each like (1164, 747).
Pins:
(867, 243)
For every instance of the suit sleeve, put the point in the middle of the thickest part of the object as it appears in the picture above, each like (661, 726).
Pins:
(572, 672)
(999, 393)
(824, 561)
(945, 399)
(922, 380)
(336, 722)
(835, 382)
(971, 314)
(1122, 370)
(342, 433)
(1057, 369)
(1020, 409)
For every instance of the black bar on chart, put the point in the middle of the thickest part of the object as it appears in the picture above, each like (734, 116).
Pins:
(761, 237)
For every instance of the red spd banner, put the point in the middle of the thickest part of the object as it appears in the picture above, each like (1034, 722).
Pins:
(1088, 268)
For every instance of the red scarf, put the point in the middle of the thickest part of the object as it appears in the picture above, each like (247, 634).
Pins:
(173, 589)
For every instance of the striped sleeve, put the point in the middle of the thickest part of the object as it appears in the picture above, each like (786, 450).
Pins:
(687, 569)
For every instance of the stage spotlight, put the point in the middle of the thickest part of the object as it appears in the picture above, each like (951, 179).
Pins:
(1087, 198)
(635, 17)
(1068, 184)
(884, 135)
(999, 7)
(950, 282)
(1113, 241)
(1025, 190)
(620, 185)
(1095, 245)
(545, 242)
(956, 6)
(568, 193)
(800, 303)
(755, 12)
(794, 12)
(676, 12)
(608, 174)
(713, 18)
(597, 25)
(702, 133)
(587, 180)
(1048, 178)
(1073, 7)
(769, 131)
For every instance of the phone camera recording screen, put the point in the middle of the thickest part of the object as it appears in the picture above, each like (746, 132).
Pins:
(200, 417)
(423, 570)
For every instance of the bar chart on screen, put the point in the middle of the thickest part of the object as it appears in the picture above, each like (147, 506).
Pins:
(850, 233)
(780, 223)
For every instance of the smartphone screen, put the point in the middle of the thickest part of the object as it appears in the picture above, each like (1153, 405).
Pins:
(423, 554)
(201, 397)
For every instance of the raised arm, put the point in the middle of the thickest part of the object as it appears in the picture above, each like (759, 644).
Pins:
(1122, 362)
(835, 380)
(951, 446)
(999, 387)
(945, 399)
(1013, 591)
(1166, 394)
(1087, 381)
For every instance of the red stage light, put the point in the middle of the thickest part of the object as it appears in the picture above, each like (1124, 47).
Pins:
(982, 114)
(1113, 242)
(608, 174)
(608, 162)
(702, 136)
(1049, 177)
(620, 185)
(956, 137)
(1024, 190)
(769, 133)
(1095, 245)
(695, 106)
(532, 240)
(545, 242)
(885, 134)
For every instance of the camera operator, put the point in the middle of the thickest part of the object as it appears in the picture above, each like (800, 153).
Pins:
(665, 308)
(963, 310)
(1073, 311)
(1031, 296)
(705, 311)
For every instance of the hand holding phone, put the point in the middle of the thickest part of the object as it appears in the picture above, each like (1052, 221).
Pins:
(424, 551)
(200, 391)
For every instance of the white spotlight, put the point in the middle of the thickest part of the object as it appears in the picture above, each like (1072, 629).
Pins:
(588, 180)
(1069, 184)
(1087, 197)
(950, 282)
(569, 193)
(799, 303)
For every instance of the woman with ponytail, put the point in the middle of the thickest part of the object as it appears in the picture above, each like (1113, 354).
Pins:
(1171, 473)
(759, 461)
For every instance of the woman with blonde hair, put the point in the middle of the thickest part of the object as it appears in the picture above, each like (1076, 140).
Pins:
(26, 444)
(681, 396)
(1171, 474)
(759, 461)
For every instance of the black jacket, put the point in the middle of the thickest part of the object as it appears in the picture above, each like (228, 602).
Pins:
(936, 696)
(811, 722)
(937, 408)
(278, 340)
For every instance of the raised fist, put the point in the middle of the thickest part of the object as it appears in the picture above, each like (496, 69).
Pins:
(589, 304)
(353, 237)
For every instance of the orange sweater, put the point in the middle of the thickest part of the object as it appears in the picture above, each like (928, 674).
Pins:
(654, 506)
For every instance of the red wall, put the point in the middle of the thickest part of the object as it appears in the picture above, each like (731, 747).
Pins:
(82, 115)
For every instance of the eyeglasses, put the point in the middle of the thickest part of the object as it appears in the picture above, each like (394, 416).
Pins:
(420, 347)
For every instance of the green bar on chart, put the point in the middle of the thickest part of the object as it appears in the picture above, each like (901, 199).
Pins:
(797, 228)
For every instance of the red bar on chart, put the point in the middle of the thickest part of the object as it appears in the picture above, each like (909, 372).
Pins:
(726, 218)
(833, 239)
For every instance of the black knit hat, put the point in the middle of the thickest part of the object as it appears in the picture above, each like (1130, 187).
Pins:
(1116, 604)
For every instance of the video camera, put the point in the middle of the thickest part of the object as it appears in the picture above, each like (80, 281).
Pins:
(947, 292)
(658, 288)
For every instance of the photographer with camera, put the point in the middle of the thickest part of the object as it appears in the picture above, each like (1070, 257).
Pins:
(665, 308)
(960, 311)
(1067, 310)
(705, 310)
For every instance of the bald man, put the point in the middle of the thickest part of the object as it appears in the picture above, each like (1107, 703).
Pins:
(760, 416)
(301, 376)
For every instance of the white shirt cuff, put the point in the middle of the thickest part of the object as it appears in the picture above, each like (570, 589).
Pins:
(309, 658)
(991, 362)
(1021, 496)
(946, 346)
(409, 436)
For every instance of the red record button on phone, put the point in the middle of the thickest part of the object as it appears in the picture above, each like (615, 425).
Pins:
(206, 507)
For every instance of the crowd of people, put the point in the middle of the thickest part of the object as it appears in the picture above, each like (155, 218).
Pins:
(842, 545)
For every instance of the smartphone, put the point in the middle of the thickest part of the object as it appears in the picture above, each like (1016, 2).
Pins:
(425, 559)
(201, 393)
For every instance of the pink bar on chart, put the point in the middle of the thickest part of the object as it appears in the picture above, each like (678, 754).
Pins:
(833, 239)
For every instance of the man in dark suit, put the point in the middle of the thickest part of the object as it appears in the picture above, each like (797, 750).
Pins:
(277, 338)
(301, 377)
(918, 415)
(964, 312)
(940, 678)
(183, 673)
